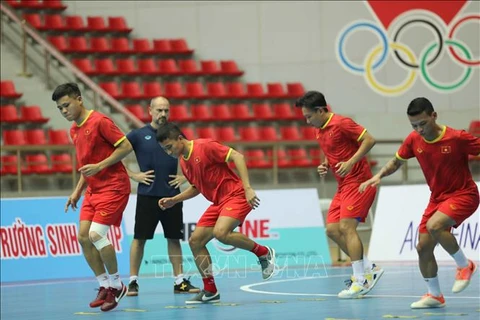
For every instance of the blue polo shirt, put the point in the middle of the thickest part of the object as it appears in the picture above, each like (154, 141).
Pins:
(150, 156)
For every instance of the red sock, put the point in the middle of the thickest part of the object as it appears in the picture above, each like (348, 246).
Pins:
(209, 284)
(259, 250)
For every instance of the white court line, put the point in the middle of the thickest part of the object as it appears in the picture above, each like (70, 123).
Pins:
(247, 288)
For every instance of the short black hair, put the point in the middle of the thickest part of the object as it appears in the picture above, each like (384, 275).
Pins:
(169, 130)
(419, 105)
(312, 100)
(67, 89)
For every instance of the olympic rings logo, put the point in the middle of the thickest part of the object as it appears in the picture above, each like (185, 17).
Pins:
(416, 67)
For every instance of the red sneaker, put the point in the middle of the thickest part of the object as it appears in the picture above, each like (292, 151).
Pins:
(100, 299)
(113, 297)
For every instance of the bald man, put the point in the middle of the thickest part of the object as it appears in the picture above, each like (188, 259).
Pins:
(157, 179)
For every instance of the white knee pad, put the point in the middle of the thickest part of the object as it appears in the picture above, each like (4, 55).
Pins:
(102, 231)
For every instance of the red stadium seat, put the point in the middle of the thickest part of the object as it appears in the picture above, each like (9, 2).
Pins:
(255, 91)
(53, 22)
(200, 112)
(161, 46)
(142, 46)
(58, 137)
(147, 66)
(84, 65)
(180, 46)
(118, 24)
(300, 158)
(33, 114)
(13, 138)
(249, 134)
(9, 165)
(152, 89)
(33, 19)
(275, 90)
(230, 68)
(131, 90)
(221, 112)
(120, 45)
(97, 24)
(111, 88)
(126, 67)
(139, 112)
(195, 90)
(168, 67)
(262, 112)
(209, 67)
(284, 111)
(236, 90)
(174, 90)
(189, 67)
(7, 90)
(226, 134)
(206, 133)
(59, 42)
(37, 164)
(188, 133)
(308, 133)
(216, 90)
(295, 90)
(35, 137)
(241, 112)
(77, 44)
(8, 114)
(268, 133)
(290, 133)
(61, 163)
(104, 66)
(257, 159)
(179, 113)
(75, 23)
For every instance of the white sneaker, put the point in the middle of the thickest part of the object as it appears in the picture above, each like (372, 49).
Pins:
(354, 290)
(267, 262)
(373, 275)
(463, 277)
(429, 301)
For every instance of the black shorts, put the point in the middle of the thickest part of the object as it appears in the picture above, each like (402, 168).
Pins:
(148, 213)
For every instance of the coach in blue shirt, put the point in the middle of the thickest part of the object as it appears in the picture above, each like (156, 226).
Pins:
(157, 179)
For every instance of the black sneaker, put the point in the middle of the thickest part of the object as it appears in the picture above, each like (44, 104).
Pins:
(185, 287)
(132, 289)
(204, 297)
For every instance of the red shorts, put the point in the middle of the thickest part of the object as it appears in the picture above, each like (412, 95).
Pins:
(104, 208)
(349, 203)
(459, 208)
(236, 207)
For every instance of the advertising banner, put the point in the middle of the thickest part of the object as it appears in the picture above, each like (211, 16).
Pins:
(38, 241)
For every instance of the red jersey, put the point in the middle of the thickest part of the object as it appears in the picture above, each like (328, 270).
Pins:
(444, 161)
(339, 139)
(207, 169)
(95, 139)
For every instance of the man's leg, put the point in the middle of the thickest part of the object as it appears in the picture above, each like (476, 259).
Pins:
(333, 232)
(198, 241)
(439, 228)
(175, 255)
(223, 232)
(90, 253)
(137, 249)
(429, 269)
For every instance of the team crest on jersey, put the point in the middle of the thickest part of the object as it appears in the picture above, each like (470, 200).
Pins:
(148, 137)
(197, 159)
(419, 150)
(446, 149)
(87, 132)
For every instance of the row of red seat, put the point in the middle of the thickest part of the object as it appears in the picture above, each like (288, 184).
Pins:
(57, 22)
(28, 114)
(163, 67)
(8, 91)
(56, 5)
(37, 164)
(224, 112)
(19, 137)
(251, 133)
(118, 45)
(195, 90)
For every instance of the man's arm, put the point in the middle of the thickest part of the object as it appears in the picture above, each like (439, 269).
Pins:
(241, 166)
(367, 143)
(189, 193)
(392, 166)
(121, 151)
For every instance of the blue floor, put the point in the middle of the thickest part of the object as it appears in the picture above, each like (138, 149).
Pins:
(292, 294)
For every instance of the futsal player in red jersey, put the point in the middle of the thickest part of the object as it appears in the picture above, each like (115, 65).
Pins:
(204, 163)
(443, 156)
(345, 144)
(100, 145)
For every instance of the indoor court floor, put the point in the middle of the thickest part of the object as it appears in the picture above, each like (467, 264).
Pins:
(291, 294)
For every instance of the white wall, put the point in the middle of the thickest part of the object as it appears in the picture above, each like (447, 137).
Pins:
(297, 41)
